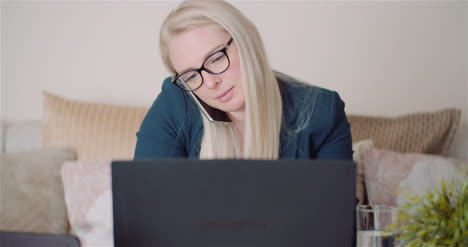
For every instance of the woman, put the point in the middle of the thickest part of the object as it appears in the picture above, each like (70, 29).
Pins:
(218, 60)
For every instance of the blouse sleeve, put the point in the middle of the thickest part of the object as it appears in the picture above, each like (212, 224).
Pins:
(338, 143)
(161, 133)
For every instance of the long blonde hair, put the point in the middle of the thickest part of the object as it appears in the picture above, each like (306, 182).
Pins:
(263, 111)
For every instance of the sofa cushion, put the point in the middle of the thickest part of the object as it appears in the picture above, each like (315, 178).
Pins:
(31, 191)
(95, 131)
(430, 132)
(88, 196)
(386, 172)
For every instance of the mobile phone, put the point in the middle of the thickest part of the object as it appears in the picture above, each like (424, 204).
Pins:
(212, 114)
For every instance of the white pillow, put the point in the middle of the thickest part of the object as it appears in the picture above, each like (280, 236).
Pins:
(88, 196)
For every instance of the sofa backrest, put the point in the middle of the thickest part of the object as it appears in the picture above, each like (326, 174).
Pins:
(21, 136)
(27, 136)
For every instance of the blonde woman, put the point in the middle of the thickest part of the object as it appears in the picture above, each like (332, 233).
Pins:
(225, 101)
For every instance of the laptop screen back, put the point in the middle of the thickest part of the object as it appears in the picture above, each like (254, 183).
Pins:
(238, 203)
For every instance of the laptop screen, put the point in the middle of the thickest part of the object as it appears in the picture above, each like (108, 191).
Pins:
(233, 203)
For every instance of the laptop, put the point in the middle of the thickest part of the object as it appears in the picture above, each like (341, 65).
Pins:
(233, 203)
(26, 239)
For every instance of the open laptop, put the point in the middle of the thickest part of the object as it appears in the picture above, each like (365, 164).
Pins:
(233, 203)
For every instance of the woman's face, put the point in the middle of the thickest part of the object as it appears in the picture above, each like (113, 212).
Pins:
(189, 50)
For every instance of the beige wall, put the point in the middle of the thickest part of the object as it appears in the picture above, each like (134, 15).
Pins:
(384, 58)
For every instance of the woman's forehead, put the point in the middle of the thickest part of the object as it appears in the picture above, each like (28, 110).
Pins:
(190, 48)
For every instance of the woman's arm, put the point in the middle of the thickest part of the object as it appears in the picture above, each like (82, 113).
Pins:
(338, 143)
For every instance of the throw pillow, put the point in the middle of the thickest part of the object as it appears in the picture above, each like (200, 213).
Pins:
(360, 184)
(430, 132)
(31, 191)
(88, 196)
(386, 172)
(95, 131)
(427, 175)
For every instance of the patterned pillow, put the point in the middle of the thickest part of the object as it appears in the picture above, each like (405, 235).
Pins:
(95, 131)
(430, 132)
(386, 172)
(88, 196)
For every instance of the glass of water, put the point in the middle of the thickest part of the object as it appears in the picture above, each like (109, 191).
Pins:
(372, 226)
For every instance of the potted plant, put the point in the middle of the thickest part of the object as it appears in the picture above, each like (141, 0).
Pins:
(435, 218)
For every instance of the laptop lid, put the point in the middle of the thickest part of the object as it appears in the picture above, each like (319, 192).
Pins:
(241, 203)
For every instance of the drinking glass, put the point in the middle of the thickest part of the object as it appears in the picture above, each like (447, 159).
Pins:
(372, 226)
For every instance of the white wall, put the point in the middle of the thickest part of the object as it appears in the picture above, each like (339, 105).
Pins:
(384, 58)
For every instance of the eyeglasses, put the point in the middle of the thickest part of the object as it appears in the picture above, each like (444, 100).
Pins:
(215, 64)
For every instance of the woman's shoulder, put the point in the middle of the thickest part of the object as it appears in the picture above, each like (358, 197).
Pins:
(170, 88)
(172, 103)
(302, 94)
(308, 107)
(171, 96)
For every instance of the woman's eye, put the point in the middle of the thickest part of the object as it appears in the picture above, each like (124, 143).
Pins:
(217, 59)
(190, 78)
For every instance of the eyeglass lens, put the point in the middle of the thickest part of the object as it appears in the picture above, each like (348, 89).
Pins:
(214, 64)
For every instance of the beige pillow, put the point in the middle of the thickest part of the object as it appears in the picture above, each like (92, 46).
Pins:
(95, 131)
(31, 191)
(88, 196)
(430, 132)
(386, 172)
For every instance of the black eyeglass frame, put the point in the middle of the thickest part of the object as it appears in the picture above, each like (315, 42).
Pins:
(223, 50)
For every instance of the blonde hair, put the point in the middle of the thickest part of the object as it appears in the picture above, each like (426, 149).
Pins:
(263, 114)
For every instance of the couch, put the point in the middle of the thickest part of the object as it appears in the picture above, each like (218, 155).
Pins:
(55, 173)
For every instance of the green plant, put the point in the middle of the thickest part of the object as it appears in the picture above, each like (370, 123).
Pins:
(436, 218)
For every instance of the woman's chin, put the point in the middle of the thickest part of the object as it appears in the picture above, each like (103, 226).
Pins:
(234, 107)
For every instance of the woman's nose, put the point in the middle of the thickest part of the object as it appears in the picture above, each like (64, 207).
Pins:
(210, 80)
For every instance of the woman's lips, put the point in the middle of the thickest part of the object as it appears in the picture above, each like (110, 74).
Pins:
(226, 95)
